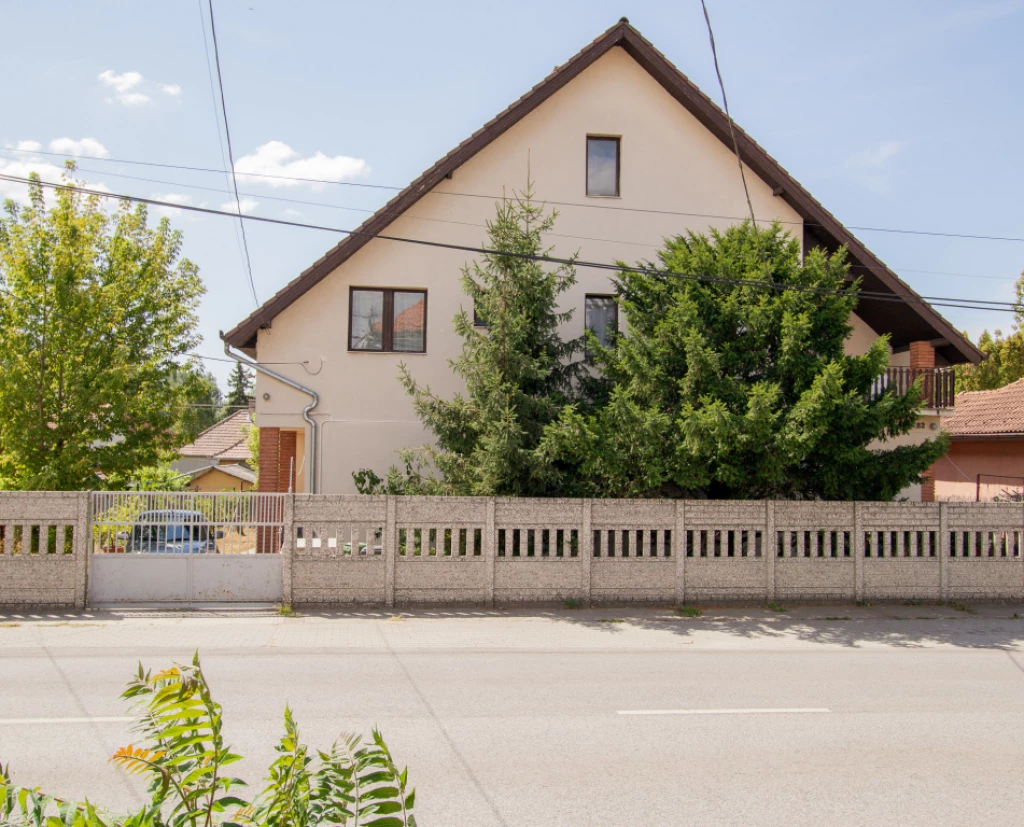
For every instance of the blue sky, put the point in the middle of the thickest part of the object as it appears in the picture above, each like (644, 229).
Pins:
(904, 115)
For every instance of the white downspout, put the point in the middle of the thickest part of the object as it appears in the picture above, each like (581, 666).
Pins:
(314, 401)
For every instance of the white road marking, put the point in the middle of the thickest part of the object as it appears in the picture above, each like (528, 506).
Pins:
(777, 711)
(97, 720)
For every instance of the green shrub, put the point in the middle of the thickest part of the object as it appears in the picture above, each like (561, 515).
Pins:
(184, 755)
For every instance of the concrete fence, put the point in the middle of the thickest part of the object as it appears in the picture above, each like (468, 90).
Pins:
(43, 549)
(339, 550)
(402, 550)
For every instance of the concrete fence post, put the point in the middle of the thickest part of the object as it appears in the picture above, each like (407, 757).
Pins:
(390, 542)
(586, 550)
(81, 547)
(679, 550)
(943, 552)
(858, 553)
(490, 553)
(287, 549)
(770, 550)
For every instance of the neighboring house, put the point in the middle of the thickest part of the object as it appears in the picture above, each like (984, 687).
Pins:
(214, 478)
(986, 458)
(629, 151)
(223, 443)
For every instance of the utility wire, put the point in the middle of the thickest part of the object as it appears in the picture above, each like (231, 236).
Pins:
(576, 204)
(216, 126)
(231, 156)
(940, 301)
(385, 211)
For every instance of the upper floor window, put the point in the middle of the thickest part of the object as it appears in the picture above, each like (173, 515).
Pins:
(602, 166)
(602, 318)
(385, 320)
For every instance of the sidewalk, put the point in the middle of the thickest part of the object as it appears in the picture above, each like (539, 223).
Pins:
(980, 625)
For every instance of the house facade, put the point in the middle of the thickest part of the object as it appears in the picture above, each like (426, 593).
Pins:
(986, 455)
(628, 151)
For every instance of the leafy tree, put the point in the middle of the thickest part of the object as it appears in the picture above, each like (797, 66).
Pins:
(95, 312)
(181, 750)
(1004, 356)
(155, 478)
(252, 442)
(722, 388)
(203, 401)
(518, 371)
(239, 387)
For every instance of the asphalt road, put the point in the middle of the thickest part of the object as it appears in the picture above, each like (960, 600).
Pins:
(868, 717)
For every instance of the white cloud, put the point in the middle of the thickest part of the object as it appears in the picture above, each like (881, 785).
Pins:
(871, 166)
(172, 89)
(292, 213)
(125, 87)
(246, 206)
(89, 147)
(277, 158)
(174, 198)
(47, 171)
(29, 146)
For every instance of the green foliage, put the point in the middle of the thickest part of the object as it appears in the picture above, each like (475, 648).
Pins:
(185, 759)
(203, 401)
(727, 390)
(777, 607)
(518, 372)
(154, 478)
(688, 611)
(95, 312)
(1004, 356)
(252, 442)
(239, 387)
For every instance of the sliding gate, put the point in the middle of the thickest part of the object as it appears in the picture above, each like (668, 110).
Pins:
(185, 548)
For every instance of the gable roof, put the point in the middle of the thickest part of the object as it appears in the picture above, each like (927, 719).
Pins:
(223, 441)
(907, 321)
(998, 412)
(241, 472)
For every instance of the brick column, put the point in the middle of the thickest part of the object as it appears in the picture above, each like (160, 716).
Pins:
(922, 360)
(287, 462)
(928, 486)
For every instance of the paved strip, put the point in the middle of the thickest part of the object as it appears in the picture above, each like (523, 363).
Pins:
(778, 711)
(98, 720)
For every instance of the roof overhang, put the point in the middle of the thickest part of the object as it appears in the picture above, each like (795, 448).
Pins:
(907, 321)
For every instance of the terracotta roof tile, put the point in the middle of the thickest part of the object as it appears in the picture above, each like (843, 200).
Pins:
(979, 413)
(224, 440)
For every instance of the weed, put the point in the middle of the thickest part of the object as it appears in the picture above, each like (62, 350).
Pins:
(962, 607)
(612, 620)
(863, 603)
(572, 603)
(777, 607)
(913, 602)
(688, 611)
(840, 617)
(285, 610)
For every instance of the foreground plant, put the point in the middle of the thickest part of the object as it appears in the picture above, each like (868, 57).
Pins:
(185, 758)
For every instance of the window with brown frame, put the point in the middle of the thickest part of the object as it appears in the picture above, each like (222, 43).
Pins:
(602, 166)
(386, 320)
(601, 317)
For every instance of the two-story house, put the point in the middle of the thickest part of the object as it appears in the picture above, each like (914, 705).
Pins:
(629, 151)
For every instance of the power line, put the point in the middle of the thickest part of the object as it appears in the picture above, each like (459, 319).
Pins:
(939, 301)
(321, 204)
(231, 156)
(216, 125)
(577, 204)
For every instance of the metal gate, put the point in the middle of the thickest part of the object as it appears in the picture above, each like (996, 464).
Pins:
(185, 548)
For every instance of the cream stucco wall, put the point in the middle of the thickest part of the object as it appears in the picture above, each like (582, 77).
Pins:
(669, 162)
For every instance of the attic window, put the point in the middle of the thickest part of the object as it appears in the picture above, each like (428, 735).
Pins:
(602, 167)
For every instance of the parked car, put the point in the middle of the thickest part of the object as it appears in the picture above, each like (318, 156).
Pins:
(171, 532)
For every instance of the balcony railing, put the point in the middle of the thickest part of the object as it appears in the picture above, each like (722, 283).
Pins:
(938, 385)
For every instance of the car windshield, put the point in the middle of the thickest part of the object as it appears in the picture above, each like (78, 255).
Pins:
(173, 533)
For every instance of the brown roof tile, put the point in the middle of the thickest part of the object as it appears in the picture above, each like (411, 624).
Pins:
(983, 413)
(224, 440)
